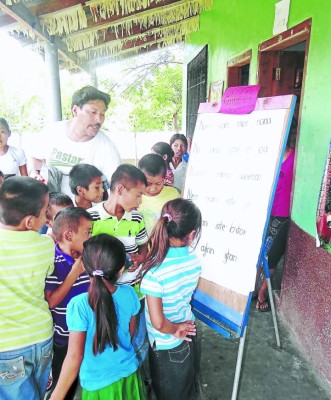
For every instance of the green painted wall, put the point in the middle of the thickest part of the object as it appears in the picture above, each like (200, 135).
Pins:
(233, 27)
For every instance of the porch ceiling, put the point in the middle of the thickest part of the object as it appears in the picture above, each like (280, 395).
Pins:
(91, 33)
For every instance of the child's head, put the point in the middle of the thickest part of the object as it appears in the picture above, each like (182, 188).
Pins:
(154, 168)
(178, 226)
(2, 177)
(85, 180)
(72, 226)
(57, 201)
(163, 149)
(23, 203)
(4, 132)
(103, 258)
(129, 183)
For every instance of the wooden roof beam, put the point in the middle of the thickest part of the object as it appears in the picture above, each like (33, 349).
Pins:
(131, 49)
(30, 22)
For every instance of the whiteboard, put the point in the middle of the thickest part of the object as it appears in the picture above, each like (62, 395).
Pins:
(234, 163)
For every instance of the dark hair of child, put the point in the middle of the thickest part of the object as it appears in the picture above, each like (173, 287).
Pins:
(21, 196)
(103, 258)
(153, 164)
(89, 93)
(178, 136)
(82, 175)
(164, 149)
(68, 218)
(128, 175)
(5, 124)
(179, 217)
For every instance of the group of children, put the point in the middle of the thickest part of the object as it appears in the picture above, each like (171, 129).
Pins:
(98, 304)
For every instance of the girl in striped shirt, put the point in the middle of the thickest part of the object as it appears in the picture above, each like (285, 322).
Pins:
(171, 276)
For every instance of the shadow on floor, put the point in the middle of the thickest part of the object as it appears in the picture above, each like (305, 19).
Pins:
(267, 372)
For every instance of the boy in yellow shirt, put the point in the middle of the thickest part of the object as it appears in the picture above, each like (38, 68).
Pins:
(156, 194)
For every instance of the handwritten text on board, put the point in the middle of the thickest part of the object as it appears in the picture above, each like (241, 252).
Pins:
(230, 176)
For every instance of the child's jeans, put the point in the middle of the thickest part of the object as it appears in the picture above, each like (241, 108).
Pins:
(24, 372)
(175, 372)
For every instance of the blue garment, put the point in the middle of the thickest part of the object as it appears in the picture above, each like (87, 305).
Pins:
(98, 371)
(140, 339)
(186, 156)
(24, 372)
(43, 230)
(62, 266)
(174, 281)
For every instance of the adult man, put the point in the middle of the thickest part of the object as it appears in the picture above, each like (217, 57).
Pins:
(79, 140)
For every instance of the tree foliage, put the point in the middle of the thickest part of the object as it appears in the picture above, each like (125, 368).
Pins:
(157, 100)
(147, 93)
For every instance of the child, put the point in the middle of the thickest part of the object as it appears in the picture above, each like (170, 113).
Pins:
(156, 194)
(57, 201)
(85, 183)
(117, 216)
(26, 258)
(171, 278)
(71, 228)
(178, 165)
(12, 160)
(164, 149)
(101, 325)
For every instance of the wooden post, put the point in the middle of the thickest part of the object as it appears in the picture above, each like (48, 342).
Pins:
(53, 100)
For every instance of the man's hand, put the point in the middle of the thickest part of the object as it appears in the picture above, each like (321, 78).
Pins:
(35, 174)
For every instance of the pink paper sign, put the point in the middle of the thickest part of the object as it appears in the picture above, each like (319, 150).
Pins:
(239, 99)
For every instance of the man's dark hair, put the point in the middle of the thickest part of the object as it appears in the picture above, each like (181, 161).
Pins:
(82, 175)
(128, 175)
(89, 93)
(21, 196)
(153, 164)
(68, 218)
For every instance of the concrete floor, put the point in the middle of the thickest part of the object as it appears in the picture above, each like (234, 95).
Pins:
(267, 372)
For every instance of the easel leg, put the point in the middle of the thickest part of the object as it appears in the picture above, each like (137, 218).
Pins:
(238, 366)
(273, 311)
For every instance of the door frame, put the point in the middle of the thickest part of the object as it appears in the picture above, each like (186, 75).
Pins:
(292, 36)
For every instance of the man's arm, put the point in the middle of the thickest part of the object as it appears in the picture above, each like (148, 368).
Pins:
(36, 167)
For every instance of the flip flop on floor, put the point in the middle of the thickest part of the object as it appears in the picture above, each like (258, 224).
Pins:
(263, 306)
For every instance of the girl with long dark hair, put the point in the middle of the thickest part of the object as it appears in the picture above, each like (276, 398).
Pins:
(101, 324)
(171, 276)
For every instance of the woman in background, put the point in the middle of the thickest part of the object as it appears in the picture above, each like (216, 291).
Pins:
(178, 165)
